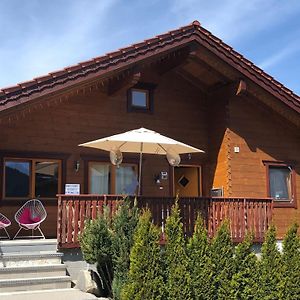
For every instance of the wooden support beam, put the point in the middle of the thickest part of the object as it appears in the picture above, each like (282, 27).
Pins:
(241, 88)
(237, 88)
(172, 61)
(194, 58)
(118, 85)
(193, 80)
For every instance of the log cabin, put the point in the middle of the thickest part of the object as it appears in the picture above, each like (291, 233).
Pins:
(186, 84)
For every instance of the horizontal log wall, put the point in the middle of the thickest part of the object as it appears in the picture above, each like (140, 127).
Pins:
(262, 136)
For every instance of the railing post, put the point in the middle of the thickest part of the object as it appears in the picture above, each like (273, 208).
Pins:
(245, 216)
(59, 220)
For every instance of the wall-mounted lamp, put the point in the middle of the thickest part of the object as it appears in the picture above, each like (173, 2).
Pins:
(76, 165)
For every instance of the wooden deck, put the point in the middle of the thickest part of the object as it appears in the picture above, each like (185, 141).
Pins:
(244, 214)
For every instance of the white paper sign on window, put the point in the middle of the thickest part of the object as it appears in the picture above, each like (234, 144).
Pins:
(72, 189)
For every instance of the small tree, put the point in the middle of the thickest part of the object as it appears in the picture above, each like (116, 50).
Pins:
(124, 224)
(199, 262)
(244, 282)
(270, 271)
(178, 280)
(145, 278)
(222, 262)
(96, 246)
(290, 281)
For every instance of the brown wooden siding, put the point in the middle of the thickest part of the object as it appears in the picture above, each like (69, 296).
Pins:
(261, 135)
(179, 112)
(182, 112)
(218, 135)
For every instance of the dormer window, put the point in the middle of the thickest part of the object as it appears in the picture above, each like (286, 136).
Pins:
(140, 98)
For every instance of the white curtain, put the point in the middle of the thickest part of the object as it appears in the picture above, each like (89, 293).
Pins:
(99, 178)
(126, 180)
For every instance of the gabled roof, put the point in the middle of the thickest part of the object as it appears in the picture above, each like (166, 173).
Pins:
(26, 91)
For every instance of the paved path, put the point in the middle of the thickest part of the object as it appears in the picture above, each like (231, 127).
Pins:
(63, 294)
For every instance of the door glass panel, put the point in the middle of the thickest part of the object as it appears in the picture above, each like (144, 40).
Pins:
(99, 178)
(17, 178)
(46, 179)
(126, 180)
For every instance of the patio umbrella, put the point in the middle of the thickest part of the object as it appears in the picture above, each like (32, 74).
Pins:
(141, 141)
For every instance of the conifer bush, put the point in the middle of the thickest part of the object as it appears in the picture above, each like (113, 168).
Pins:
(222, 262)
(198, 249)
(178, 279)
(124, 224)
(244, 282)
(290, 281)
(96, 246)
(107, 242)
(270, 267)
(145, 278)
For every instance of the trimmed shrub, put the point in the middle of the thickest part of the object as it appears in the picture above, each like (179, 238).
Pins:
(270, 267)
(124, 224)
(244, 282)
(290, 281)
(222, 262)
(178, 279)
(96, 246)
(145, 278)
(108, 242)
(198, 250)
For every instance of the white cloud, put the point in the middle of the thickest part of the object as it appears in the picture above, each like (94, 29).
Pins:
(232, 20)
(55, 43)
(279, 56)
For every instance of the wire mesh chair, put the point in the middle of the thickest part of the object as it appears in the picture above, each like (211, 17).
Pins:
(4, 222)
(30, 216)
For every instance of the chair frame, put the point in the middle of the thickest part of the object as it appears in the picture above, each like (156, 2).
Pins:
(31, 204)
(4, 218)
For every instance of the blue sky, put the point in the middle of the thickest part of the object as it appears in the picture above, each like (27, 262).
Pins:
(39, 36)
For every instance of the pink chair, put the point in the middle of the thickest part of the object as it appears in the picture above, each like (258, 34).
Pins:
(30, 216)
(4, 222)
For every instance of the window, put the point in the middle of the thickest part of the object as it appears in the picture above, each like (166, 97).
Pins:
(140, 98)
(105, 178)
(281, 183)
(31, 178)
(99, 178)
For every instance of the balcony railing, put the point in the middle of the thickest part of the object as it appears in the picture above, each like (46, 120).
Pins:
(244, 214)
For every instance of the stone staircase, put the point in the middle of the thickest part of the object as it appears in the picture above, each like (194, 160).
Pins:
(29, 265)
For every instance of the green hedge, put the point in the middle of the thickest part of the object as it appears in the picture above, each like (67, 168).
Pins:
(190, 268)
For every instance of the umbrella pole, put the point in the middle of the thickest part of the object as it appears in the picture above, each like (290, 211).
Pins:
(140, 170)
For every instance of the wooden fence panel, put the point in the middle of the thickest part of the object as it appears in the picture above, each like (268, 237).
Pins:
(244, 215)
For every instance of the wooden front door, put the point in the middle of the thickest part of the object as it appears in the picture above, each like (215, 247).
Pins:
(187, 181)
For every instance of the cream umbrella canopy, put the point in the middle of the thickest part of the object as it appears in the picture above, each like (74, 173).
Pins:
(141, 141)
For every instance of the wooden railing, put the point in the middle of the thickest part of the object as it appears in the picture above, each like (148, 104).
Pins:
(244, 214)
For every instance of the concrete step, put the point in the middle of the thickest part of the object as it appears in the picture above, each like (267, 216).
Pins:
(58, 294)
(33, 271)
(29, 259)
(43, 283)
(30, 245)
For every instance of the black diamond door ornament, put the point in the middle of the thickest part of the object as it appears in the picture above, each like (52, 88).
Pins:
(183, 181)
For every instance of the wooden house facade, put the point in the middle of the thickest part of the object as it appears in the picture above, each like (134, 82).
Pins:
(186, 84)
